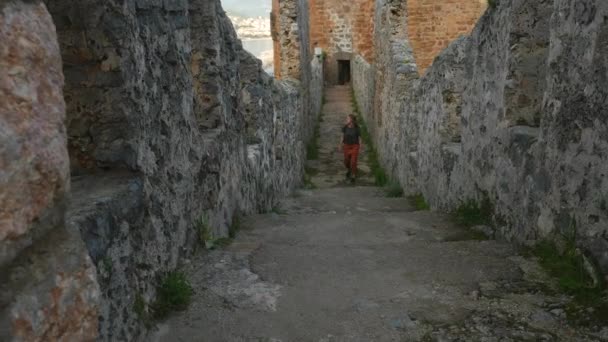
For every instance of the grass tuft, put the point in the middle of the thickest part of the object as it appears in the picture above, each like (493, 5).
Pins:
(173, 294)
(589, 304)
(232, 231)
(308, 174)
(139, 306)
(394, 190)
(568, 267)
(576, 276)
(235, 226)
(471, 213)
(418, 202)
(205, 236)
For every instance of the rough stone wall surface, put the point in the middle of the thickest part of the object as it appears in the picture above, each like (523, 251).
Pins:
(363, 85)
(287, 39)
(309, 72)
(34, 158)
(170, 124)
(394, 73)
(275, 34)
(48, 287)
(432, 25)
(514, 114)
(316, 88)
(341, 28)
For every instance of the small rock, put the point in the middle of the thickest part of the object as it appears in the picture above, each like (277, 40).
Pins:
(402, 323)
(541, 319)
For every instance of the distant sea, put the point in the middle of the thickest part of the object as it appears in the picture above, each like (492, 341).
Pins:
(262, 49)
(258, 46)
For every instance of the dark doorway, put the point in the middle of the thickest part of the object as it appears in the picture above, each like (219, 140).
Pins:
(343, 72)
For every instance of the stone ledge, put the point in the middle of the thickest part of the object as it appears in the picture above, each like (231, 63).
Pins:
(107, 209)
(98, 202)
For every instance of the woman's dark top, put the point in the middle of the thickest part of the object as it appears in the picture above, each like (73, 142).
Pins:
(351, 135)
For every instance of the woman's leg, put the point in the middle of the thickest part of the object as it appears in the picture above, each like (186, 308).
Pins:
(354, 156)
(347, 159)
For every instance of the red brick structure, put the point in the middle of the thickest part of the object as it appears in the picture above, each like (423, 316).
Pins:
(341, 28)
(346, 28)
(433, 24)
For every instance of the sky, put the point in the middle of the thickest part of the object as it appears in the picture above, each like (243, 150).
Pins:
(248, 8)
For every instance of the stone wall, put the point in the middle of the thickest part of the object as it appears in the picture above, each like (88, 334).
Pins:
(171, 126)
(48, 287)
(432, 25)
(363, 84)
(514, 114)
(290, 34)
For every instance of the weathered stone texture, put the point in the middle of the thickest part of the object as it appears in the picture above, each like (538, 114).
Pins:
(363, 84)
(287, 39)
(33, 159)
(50, 292)
(515, 113)
(213, 137)
(170, 122)
(48, 287)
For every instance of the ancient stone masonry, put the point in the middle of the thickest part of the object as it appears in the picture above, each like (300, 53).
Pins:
(48, 287)
(290, 33)
(169, 122)
(514, 114)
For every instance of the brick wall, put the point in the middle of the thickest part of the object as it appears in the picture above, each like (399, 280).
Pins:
(345, 28)
(433, 24)
(341, 28)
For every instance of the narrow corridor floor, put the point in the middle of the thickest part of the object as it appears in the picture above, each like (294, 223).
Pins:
(328, 169)
(348, 264)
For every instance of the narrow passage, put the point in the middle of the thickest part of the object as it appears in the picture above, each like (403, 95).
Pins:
(328, 169)
(346, 263)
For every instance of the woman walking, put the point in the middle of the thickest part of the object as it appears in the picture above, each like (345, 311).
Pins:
(351, 144)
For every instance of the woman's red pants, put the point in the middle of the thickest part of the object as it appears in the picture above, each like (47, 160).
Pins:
(351, 153)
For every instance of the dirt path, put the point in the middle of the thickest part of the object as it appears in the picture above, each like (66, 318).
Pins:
(348, 264)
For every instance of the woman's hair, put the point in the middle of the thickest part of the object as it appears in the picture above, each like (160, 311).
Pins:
(353, 118)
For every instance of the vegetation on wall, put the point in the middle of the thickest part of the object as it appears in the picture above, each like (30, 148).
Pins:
(419, 202)
(378, 172)
(174, 293)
